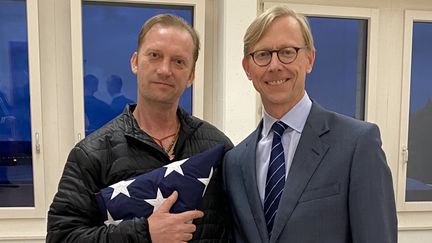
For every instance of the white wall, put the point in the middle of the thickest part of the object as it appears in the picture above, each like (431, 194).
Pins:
(234, 98)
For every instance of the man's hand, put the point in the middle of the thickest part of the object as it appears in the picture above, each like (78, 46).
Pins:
(166, 227)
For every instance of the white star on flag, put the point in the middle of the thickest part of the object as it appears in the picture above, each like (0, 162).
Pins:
(206, 181)
(144, 194)
(175, 166)
(121, 187)
(157, 201)
(110, 220)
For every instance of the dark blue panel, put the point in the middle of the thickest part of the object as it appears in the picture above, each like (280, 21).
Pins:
(337, 81)
(16, 176)
(110, 34)
(419, 171)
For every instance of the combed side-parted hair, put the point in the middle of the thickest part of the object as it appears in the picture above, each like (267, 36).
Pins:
(170, 20)
(257, 28)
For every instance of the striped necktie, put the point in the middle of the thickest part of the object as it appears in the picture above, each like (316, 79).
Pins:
(275, 176)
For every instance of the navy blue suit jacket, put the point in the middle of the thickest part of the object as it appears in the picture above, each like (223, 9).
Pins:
(338, 190)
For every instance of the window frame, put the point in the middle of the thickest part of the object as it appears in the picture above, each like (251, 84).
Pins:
(38, 210)
(410, 16)
(77, 57)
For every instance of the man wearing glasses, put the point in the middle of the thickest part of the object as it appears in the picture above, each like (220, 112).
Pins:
(305, 174)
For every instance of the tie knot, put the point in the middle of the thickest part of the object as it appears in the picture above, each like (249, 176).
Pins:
(279, 127)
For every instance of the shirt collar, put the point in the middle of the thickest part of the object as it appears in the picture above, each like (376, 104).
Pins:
(295, 118)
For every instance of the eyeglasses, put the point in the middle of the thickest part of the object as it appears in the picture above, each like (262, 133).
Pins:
(286, 55)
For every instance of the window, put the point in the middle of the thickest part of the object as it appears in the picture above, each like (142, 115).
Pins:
(110, 32)
(21, 171)
(419, 164)
(338, 79)
(415, 192)
(16, 173)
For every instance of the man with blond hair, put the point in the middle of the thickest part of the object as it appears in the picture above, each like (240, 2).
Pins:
(306, 174)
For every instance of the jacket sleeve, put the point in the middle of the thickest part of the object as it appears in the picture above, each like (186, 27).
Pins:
(74, 215)
(371, 197)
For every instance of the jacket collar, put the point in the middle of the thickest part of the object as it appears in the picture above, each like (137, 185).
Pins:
(188, 125)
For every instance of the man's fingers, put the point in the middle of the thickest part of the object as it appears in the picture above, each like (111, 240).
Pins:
(187, 237)
(167, 204)
(188, 216)
(187, 228)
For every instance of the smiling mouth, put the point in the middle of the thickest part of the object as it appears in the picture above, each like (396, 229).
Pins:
(277, 82)
(164, 84)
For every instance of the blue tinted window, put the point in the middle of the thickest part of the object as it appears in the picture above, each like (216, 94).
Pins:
(338, 78)
(110, 34)
(16, 177)
(419, 174)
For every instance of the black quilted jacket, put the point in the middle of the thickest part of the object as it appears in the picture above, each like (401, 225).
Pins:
(118, 151)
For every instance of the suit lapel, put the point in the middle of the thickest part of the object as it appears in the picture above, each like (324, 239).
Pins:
(308, 156)
(250, 181)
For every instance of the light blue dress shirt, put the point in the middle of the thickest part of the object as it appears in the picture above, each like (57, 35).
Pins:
(296, 119)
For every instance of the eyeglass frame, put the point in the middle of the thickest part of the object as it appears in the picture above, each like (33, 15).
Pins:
(297, 49)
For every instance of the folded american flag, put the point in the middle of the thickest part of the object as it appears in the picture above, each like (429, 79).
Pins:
(139, 196)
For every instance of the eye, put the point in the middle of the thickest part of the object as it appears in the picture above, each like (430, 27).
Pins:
(152, 55)
(287, 52)
(180, 62)
(262, 54)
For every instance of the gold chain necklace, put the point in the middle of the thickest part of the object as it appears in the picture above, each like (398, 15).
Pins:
(173, 141)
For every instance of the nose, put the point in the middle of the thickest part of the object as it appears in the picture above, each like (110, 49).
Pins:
(275, 64)
(164, 68)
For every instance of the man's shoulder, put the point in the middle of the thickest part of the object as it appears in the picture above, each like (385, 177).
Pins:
(199, 124)
(97, 140)
(335, 120)
(211, 132)
(352, 125)
(249, 143)
(204, 130)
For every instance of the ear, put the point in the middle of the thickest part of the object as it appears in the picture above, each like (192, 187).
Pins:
(245, 63)
(191, 78)
(134, 63)
(311, 60)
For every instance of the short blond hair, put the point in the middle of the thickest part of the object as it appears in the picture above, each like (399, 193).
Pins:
(262, 22)
(170, 20)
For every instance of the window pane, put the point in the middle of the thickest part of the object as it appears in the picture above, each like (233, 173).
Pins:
(337, 81)
(16, 176)
(419, 174)
(110, 34)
